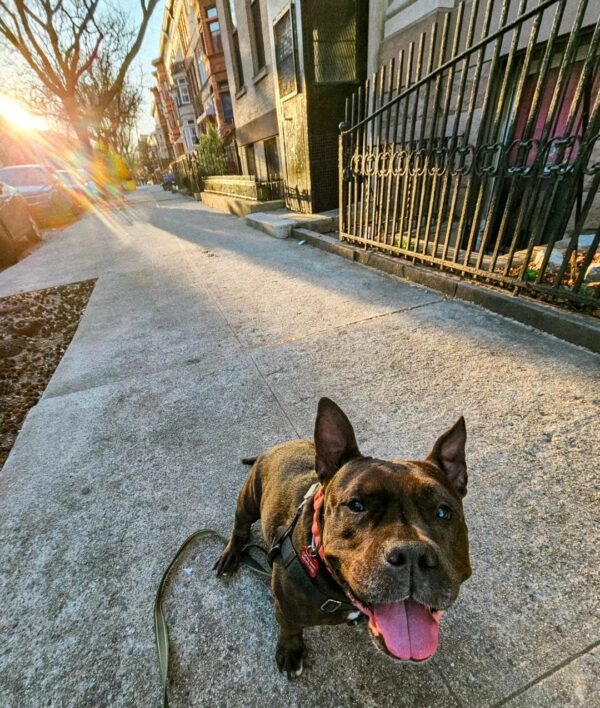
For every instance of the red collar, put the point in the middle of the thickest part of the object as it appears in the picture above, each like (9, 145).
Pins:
(317, 546)
(317, 542)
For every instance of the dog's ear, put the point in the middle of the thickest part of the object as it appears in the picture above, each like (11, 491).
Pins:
(335, 441)
(449, 455)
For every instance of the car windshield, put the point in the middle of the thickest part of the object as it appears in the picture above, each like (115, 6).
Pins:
(24, 176)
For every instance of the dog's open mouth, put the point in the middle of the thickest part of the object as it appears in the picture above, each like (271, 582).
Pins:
(409, 630)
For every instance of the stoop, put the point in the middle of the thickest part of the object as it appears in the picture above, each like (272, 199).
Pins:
(280, 223)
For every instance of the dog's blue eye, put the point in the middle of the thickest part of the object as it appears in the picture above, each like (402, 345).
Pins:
(443, 512)
(356, 506)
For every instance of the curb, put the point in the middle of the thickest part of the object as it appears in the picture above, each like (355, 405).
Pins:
(581, 330)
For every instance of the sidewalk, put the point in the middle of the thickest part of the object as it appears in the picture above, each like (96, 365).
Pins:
(204, 341)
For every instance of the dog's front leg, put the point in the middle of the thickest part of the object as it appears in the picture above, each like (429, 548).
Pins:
(290, 645)
(246, 513)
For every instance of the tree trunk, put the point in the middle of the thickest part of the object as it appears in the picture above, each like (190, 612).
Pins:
(78, 124)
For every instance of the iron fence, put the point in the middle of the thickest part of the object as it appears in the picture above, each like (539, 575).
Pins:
(477, 149)
(207, 159)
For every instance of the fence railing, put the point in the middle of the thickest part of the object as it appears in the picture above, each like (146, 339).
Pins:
(477, 150)
(191, 169)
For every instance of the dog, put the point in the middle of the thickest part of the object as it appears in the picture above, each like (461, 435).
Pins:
(352, 535)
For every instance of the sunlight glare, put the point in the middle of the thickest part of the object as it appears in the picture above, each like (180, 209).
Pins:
(18, 115)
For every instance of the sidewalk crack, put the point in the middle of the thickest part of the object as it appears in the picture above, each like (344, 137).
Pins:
(250, 354)
(546, 674)
(317, 332)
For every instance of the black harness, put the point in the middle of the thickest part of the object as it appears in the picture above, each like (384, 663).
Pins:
(283, 551)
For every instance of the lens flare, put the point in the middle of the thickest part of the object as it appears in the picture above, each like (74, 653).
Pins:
(18, 116)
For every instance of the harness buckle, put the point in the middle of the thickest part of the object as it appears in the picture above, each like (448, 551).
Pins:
(312, 550)
(274, 551)
(331, 605)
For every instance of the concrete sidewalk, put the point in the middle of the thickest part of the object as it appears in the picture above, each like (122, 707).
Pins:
(205, 340)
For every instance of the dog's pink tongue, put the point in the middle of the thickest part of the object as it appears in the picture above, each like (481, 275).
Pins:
(410, 630)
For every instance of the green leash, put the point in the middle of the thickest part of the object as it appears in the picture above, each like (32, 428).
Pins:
(161, 630)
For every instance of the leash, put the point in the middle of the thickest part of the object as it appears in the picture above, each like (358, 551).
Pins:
(161, 630)
(300, 566)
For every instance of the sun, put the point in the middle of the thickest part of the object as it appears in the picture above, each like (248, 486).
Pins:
(15, 113)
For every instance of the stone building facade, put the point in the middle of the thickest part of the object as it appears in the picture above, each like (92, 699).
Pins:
(248, 57)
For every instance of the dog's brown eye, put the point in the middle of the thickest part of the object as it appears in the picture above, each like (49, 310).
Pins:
(356, 506)
(443, 512)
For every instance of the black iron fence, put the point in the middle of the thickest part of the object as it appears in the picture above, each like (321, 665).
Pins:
(210, 157)
(477, 150)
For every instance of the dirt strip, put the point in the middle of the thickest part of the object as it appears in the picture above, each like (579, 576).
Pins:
(35, 330)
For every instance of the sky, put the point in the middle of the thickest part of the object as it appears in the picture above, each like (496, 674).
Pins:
(11, 67)
(148, 52)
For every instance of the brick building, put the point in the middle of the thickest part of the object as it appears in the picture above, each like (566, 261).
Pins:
(211, 70)
(161, 128)
(192, 88)
(165, 108)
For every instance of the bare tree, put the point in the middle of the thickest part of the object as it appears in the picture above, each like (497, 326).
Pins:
(62, 41)
(114, 124)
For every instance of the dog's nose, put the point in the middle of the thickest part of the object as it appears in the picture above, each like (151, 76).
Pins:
(416, 555)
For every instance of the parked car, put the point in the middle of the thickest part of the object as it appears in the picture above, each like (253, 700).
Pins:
(18, 231)
(48, 200)
(80, 187)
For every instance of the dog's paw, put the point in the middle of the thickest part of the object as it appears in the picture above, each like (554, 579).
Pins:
(290, 659)
(228, 562)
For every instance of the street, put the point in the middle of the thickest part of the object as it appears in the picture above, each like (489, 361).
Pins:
(205, 341)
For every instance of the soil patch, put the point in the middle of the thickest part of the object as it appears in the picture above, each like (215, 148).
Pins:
(35, 330)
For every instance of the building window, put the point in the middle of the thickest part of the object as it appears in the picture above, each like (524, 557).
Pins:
(202, 71)
(272, 159)
(227, 107)
(285, 55)
(184, 38)
(251, 160)
(238, 69)
(183, 92)
(333, 39)
(257, 36)
(211, 12)
(192, 133)
(215, 37)
(232, 15)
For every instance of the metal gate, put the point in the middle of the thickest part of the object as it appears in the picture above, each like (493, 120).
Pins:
(477, 150)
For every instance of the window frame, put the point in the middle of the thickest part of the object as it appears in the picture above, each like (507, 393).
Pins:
(180, 82)
(214, 50)
(267, 142)
(234, 48)
(222, 93)
(250, 149)
(313, 43)
(256, 32)
(291, 10)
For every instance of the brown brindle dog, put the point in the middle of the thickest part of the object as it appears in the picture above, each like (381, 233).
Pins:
(387, 538)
